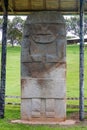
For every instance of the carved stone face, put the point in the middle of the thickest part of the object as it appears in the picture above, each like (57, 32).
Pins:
(44, 33)
(47, 42)
(45, 38)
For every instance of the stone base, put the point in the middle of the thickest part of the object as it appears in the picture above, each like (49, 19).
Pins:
(67, 122)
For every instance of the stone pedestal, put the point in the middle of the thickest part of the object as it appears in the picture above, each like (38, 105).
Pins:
(43, 67)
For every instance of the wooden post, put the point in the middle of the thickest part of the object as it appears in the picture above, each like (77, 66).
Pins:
(81, 95)
(3, 59)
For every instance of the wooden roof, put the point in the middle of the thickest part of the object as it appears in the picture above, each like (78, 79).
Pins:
(25, 6)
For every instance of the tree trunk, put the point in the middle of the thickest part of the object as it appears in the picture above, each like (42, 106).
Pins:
(12, 42)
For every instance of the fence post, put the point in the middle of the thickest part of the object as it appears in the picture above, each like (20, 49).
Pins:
(81, 95)
(3, 58)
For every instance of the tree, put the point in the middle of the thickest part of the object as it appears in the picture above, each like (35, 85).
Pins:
(15, 29)
(73, 25)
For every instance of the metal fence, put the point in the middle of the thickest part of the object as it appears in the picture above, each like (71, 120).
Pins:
(68, 99)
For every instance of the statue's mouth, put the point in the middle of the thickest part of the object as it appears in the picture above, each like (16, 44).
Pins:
(43, 38)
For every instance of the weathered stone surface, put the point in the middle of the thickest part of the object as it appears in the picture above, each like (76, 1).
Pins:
(44, 70)
(46, 47)
(26, 109)
(50, 108)
(25, 57)
(36, 107)
(43, 108)
(43, 65)
(60, 111)
(45, 17)
(45, 122)
(46, 40)
(43, 88)
(26, 31)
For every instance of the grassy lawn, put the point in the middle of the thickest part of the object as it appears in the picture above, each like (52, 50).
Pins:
(13, 88)
(13, 112)
(13, 71)
(73, 71)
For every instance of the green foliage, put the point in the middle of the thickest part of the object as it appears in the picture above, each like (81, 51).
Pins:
(15, 29)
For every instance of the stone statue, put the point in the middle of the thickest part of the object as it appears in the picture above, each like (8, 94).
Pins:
(43, 66)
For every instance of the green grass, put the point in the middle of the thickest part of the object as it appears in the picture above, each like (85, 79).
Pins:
(13, 71)
(72, 80)
(13, 112)
(13, 88)
(73, 71)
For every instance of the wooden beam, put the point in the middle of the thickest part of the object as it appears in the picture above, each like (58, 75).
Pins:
(12, 8)
(9, 6)
(0, 3)
(44, 4)
(3, 5)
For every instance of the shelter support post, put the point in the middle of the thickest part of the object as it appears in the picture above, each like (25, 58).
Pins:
(81, 95)
(3, 59)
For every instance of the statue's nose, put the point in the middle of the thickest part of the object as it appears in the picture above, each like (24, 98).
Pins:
(43, 29)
